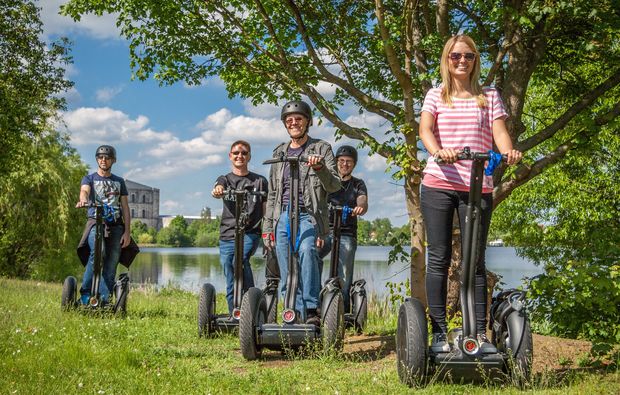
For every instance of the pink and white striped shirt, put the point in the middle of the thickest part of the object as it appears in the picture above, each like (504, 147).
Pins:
(462, 125)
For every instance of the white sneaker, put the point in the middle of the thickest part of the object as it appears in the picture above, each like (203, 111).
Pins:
(439, 343)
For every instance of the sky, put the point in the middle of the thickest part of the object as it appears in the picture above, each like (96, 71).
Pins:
(176, 138)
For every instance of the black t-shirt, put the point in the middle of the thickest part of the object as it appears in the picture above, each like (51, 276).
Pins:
(254, 207)
(347, 196)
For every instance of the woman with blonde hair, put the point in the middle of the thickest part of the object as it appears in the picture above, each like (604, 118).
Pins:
(460, 113)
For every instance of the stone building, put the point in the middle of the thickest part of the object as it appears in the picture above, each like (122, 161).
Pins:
(144, 204)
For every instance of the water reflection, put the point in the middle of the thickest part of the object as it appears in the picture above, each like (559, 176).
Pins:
(189, 268)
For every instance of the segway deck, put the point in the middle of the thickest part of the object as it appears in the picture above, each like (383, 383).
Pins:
(468, 368)
(280, 336)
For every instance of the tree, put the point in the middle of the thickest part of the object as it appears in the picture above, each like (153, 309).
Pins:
(137, 228)
(39, 228)
(569, 221)
(382, 57)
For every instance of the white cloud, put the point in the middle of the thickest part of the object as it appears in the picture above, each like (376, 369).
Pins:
(101, 27)
(170, 205)
(374, 162)
(107, 93)
(97, 125)
(264, 110)
(172, 166)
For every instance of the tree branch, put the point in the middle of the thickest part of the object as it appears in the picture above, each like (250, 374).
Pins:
(569, 114)
(382, 108)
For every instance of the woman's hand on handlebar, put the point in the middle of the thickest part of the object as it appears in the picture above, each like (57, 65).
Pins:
(448, 155)
(513, 156)
(357, 210)
(81, 203)
(319, 242)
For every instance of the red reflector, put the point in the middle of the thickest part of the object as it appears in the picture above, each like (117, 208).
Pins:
(288, 316)
(236, 313)
(470, 345)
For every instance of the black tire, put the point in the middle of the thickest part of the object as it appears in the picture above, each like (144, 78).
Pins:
(69, 293)
(253, 315)
(520, 363)
(333, 322)
(206, 310)
(360, 318)
(120, 304)
(412, 343)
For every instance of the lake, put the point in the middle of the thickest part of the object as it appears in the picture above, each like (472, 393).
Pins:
(189, 268)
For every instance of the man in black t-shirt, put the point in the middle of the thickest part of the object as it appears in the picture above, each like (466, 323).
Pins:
(239, 178)
(354, 195)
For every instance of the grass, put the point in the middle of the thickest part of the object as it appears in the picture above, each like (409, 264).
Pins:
(156, 350)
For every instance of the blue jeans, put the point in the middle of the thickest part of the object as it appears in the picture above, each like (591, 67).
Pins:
(346, 260)
(307, 296)
(111, 253)
(227, 260)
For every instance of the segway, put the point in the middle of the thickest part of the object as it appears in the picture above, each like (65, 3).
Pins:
(254, 332)
(69, 299)
(208, 321)
(357, 293)
(511, 334)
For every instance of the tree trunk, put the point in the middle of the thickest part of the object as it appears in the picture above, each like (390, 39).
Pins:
(418, 238)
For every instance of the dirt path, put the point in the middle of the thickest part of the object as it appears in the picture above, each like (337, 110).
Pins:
(549, 351)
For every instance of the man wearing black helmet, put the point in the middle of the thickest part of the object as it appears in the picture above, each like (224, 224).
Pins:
(353, 194)
(104, 187)
(317, 179)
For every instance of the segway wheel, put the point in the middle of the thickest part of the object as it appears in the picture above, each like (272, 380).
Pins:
(333, 322)
(412, 343)
(206, 310)
(69, 292)
(361, 314)
(253, 315)
(121, 292)
(521, 362)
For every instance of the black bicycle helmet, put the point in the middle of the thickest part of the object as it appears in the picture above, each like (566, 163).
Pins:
(347, 150)
(106, 150)
(297, 107)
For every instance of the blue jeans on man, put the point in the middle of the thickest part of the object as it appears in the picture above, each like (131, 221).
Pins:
(346, 261)
(309, 285)
(227, 260)
(111, 254)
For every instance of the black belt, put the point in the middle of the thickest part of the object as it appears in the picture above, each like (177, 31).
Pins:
(302, 209)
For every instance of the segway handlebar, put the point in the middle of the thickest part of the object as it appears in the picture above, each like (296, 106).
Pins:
(466, 154)
(285, 158)
(93, 205)
(229, 193)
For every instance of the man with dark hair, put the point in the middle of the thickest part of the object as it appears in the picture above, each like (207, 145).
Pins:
(105, 188)
(239, 178)
(316, 179)
(354, 195)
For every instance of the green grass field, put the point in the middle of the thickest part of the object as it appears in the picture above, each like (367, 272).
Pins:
(156, 350)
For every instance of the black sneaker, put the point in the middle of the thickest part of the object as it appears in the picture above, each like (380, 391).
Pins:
(485, 344)
(312, 317)
(440, 343)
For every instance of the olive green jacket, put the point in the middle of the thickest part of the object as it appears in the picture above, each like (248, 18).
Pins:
(315, 186)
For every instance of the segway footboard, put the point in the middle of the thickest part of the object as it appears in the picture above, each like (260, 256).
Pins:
(457, 366)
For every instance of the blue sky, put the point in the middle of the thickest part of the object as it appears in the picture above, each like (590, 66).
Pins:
(176, 138)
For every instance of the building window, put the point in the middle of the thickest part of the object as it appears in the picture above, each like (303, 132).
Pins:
(133, 213)
(143, 198)
(143, 213)
(133, 197)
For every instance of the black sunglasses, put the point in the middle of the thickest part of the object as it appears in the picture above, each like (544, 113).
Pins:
(244, 153)
(106, 157)
(469, 56)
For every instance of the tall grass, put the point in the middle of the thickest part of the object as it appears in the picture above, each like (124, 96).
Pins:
(156, 349)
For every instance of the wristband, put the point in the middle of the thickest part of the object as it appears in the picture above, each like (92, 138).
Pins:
(268, 236)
